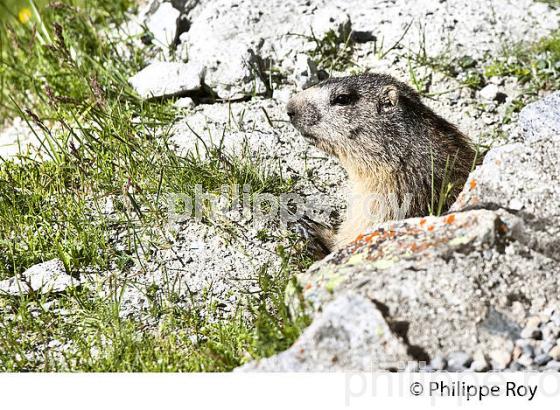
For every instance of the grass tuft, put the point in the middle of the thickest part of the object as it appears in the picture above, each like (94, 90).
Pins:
(106, 163)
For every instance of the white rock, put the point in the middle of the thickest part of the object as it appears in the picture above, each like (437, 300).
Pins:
(515, 204)
(185, 102)
(496, 80)
(163, 24)
(161, 79)
(490, 92)
(44, 277)
(500, 359)
(20, 138)
(350, 334)
(555, 352)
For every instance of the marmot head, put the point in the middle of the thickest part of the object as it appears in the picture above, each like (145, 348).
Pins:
(359, 116)
(384, 136)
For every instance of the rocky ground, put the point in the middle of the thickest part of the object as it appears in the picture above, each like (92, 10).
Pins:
(258, 50)
(475, 289)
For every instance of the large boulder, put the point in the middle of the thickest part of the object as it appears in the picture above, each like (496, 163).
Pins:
(349, 334)
(458, 282)
(523, 177)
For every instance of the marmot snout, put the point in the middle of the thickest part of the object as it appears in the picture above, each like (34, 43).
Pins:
(398, 153)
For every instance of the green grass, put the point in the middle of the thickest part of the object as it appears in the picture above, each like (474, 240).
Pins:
(536, 66)
(551, 3)
(331, 52)
(65, 72)
(96, 338)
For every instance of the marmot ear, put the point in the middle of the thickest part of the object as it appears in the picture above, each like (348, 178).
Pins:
(390, 95)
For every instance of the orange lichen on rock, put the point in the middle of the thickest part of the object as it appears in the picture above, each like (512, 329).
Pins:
(450, 219)
(422, 221)
(372, 235)
(472, 184)
(431, 228)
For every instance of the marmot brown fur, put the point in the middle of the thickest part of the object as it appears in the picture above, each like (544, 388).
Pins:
(398, 153)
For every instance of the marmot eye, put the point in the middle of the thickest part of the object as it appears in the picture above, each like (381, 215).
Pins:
(342, 99)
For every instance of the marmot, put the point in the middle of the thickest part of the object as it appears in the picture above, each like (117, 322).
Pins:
(398, 153)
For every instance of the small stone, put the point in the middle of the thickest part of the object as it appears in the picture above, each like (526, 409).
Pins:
(549, 311)
(54, 343)
(542, 359)
(553, 365)
(547, 346)
(305, 72)
(458, 361)
(550, 332)
(515, 366)
(185, 102)
(438, 363)
(412, 367)
(331, 19)
(480, 366)
(522, 342)
(496, 80)
(525, 360)
(531, 333)
(515, 204)
(528, 350)
(480, 362)
(490, 92)
(544, 318)
(282, 94)
(533, 322)
(46, 277)
(554, 353)
(500, 359)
